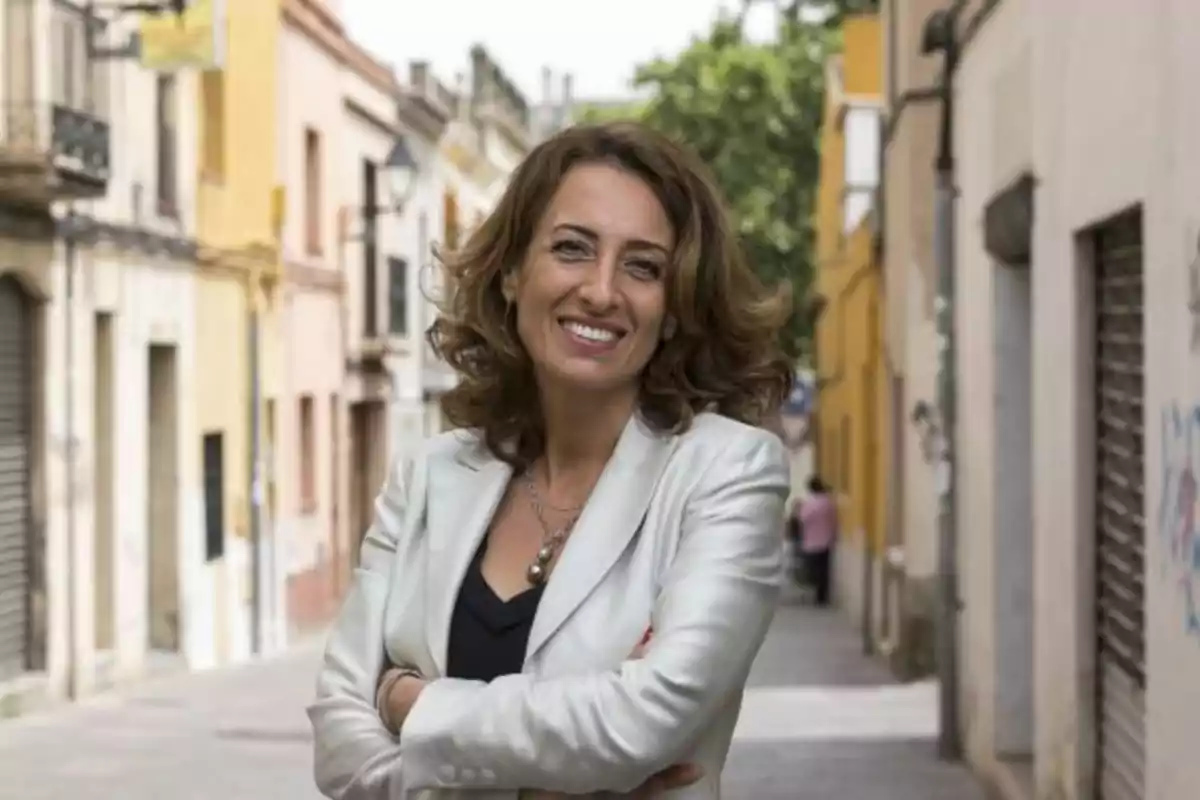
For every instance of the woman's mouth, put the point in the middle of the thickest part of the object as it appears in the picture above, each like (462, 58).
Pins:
(593, 337)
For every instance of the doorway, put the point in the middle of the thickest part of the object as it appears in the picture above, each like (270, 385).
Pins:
(1013, 543)
(1119, 363)
(162, 500)
(104, 481)
(21, 615)
(367, 453)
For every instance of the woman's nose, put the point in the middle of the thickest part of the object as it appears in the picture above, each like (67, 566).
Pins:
(599, 287)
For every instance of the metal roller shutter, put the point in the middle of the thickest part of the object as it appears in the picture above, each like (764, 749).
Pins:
(1120, 522)
(15, 431)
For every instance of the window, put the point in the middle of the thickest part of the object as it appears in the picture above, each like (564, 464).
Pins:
(167, 138)
(370, 210)
(312, 192)
(398, 296)
(214, 496)
(308, 456)
(862, 131)
(212, 99)
(450, 221)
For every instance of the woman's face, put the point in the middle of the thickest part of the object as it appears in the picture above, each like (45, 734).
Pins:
(591, 294)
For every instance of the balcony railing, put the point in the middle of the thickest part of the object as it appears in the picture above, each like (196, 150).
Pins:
(81, 144)
(53, 152)
(55, 142)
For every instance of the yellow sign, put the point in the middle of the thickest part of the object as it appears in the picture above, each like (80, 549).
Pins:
(195, 40)
(278, 209)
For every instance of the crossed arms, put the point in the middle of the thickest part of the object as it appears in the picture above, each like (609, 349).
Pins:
(606, 731)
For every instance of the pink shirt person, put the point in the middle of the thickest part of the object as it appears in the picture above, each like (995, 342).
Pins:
(818, 516)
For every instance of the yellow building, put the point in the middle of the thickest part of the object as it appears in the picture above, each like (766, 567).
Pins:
(852, 391)
(238, 212)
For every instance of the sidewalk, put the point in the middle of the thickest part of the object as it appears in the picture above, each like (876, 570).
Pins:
(820, 722)
(823, 722)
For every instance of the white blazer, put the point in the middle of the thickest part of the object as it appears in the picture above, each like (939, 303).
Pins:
(682, 532)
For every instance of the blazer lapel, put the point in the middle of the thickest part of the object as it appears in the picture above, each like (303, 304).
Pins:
(471, 487)
(612, 516)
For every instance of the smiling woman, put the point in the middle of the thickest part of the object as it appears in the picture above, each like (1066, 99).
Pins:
(564, 595)
(608, 264)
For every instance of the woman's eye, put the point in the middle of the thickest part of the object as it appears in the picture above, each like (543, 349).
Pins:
(569, 249)
(645, 269)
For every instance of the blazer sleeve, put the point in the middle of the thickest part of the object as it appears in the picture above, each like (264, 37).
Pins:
(354, 756)
(610, 731)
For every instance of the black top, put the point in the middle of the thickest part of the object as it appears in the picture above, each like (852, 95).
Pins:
(488, 636)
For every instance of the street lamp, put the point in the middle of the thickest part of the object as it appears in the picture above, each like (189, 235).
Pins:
(400, 174)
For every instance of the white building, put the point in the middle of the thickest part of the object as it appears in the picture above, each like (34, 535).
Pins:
(100, 503)
(377, 246)
(482, 144)
(426, 111)
(1078, 264)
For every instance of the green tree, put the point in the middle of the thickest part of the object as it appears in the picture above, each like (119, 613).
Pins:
(605, 112)
(752, 110)
(835, 11)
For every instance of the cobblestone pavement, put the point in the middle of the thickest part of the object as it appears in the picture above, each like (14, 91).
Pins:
(820, 722)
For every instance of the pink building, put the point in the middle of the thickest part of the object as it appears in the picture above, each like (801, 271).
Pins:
(309, 414)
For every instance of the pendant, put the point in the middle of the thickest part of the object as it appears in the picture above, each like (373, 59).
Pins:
(544, 555)
(536, 574)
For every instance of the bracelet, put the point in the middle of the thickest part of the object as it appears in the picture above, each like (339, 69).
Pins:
(390, 679)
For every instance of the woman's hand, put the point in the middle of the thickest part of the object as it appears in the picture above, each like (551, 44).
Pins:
(673, 777)
(401, 689)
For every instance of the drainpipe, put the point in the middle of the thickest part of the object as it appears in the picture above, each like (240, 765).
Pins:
(256, 490)
(941, 36)
(69, 232)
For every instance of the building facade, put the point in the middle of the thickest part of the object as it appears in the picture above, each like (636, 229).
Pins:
(849, 426)
(99, 486)
(909, 599)
(1078, 265)
(238, 218)
(426, 112)
(489, 136)
(376, 253)
(313, 327)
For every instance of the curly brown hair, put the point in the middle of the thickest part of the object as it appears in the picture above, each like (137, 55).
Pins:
(726, 354)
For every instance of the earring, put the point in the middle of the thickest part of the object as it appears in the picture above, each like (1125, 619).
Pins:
(668, 329)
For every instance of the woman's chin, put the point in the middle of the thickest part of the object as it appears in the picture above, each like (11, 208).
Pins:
(587, 378)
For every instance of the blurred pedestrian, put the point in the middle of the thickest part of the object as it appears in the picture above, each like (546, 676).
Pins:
(564, 595)
(818, 531)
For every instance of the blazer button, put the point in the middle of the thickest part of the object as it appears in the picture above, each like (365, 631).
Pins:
(468, 775)
(448, 772)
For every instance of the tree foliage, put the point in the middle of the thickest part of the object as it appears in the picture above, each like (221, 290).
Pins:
(752, 110)
(835, 11)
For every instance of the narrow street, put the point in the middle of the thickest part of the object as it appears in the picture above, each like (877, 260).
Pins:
(820, 723)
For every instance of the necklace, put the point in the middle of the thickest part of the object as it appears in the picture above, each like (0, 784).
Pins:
(552, 538)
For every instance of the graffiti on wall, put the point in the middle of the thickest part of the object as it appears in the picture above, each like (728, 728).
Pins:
(1179, 540)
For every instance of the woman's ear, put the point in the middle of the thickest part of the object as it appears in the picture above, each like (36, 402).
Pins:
(508, 286)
